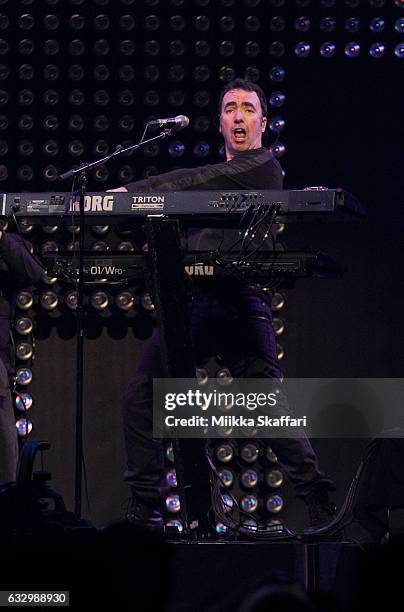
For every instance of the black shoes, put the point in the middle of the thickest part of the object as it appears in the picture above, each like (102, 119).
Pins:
(322, 511)
(145, 517)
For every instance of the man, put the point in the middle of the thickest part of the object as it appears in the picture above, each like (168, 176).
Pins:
(233, 321)
(18, 268)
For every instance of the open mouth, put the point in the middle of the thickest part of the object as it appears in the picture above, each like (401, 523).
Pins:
(239, 134)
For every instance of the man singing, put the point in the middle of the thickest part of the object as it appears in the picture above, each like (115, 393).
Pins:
(227, 319)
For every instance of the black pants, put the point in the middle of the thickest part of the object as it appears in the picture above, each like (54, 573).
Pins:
(238, 328)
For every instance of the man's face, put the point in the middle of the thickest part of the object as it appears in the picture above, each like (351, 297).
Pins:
(241, 121)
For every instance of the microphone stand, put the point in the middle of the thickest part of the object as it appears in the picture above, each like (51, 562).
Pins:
(81, 173)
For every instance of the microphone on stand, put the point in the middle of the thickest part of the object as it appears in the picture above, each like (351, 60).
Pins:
(179, 122)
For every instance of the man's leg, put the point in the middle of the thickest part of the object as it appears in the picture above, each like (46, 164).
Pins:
(8, 439)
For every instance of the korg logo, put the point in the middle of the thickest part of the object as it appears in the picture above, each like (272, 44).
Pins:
(95, 203)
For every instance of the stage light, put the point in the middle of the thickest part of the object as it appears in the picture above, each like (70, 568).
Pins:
(26, 21)
(274, 478)
(102, 47)
(51, 97)
(352, 50)
(48, 280)
(100, 123)
(51, 22)
(24, 426)
(151, 48)
(151, 23)
(25, 226)
(50, 246)
(249, 452)
(173, 503)
(277, 24)
(280, 351)
(75, 148)
(399, 3)
(100, 245)
(49, 300)
(201, 73)
(26, 97)
(176, 73)
(228, 502)
(3, 147)
(24, 351)
(76, 22)
(249, 503)
(151, 73)
(352, 24)
(227, 477)
(175, 524)
(71, 300)
(76, 72)
(3, 173)
(101, 22)
(277, 74)
(399, 50)
(4, 21)
(23, 326)
(50, 173)
(76, 47)
(278, 149)
(277, 49)
(25, 173)
(99, 300)
(249, 479)
(302, 49)
(169, 453)
(224, 452)
(201, 149)
(126, 73)
(201, 99)
(25, 148)
(26, 47)
(171, 478)
(224, 377)
(124, 300)
(23, 401)
(51, 72)
(399, 25)
(151, 98)
(278, 326)
(176, 98)
(227, 73)
(277, 124)
(302, 24)
(328, 49)
(252, 74)
(176, 48)
(23, 376)
(250, 525)
(252, 23)
(220, 528)
(177, 23)
(224, 431)
(377, 50)
(176, 149)
(328, 24)
(274, 504)
(126, 123)
(25, 123)
(146, 301)
(377, 24)
(227, 48)
(101, 72)
(277, 99)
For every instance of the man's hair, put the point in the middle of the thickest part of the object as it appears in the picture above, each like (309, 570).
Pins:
(246, 86)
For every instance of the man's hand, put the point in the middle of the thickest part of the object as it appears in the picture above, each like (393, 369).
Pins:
(118, 189)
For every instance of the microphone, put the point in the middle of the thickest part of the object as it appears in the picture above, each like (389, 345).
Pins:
(180, 121)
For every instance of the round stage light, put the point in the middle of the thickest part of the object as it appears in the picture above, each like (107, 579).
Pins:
(274, 478)
(24, 300)
(49, 300)
(227, 477)
(399, 50)
(228, 502)
(249, 452)
(176, 149)
(24, 426)
(171, 478)
(270, 455)
(352, 24)
(328, 49)
(302, 24)
(173, 503)
(175, 524)
(277, 124)
(23, 376)
(277, 74)
(124, 300)
(224, 452)
(280, 351)
(277, 99)
(274, 504)
(169, 453)
(302, 49)
(278, 326)
(377, 50)
(224, 377)
(278, 149)
(377, 24)
(249, 503)
(249, 479)
(99, 300)
(23, 326)
(220, 528)
(23, 401)
(146, 301)
(328, 24)
(126, 246)
(24, 351)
